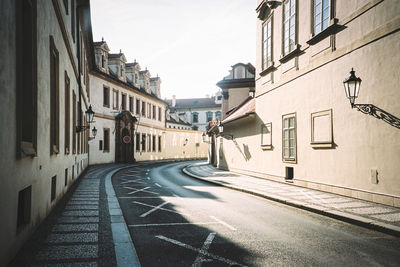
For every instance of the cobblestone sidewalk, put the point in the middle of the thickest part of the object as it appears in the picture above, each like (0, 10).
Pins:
(364, 213)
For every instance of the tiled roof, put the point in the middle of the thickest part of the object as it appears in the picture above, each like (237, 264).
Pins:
(194, 103)
(131, 64)
(172, 120)
(115, 55)
(246, 108)
(98, 43)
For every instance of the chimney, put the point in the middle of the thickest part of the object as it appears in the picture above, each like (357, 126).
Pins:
(173, 100)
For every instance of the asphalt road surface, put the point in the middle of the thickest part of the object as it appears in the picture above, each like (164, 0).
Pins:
(175, 220)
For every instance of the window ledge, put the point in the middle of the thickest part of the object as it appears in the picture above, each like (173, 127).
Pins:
(27, 149)
(290, 55)
(321, 144)
(268, 69)
(266, 147)
(331, 29)
(294, 161)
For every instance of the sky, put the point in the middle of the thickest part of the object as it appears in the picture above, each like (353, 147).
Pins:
(190, 44)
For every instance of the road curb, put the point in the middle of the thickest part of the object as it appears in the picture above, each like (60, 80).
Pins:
(335, 214)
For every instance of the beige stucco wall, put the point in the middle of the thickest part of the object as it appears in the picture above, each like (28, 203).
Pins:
(313, 82)
(17, 174)
(236, 97)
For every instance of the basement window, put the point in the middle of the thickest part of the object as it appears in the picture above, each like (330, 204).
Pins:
(289, 173)
(24, 207)
(53, 188)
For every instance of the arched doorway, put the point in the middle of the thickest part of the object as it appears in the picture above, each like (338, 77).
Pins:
(124, 137)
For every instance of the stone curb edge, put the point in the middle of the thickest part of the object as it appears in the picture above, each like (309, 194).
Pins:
(125, 252)
(335, 214)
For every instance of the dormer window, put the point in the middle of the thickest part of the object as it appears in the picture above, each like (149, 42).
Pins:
(103, 61)
(122, 72)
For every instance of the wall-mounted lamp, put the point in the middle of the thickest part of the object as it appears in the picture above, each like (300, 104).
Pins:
(204, 138)
(352, 87)
(89, 115)
(221, 132)
(251, 93)
(94, 132)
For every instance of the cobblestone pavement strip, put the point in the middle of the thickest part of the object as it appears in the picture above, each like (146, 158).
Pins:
(78, 230)
(368, 214)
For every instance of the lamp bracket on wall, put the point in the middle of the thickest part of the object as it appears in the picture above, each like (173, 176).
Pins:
(378, 113)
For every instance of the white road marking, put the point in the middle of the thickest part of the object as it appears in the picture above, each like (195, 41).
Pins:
(151, 206)
(138, 197)
(224, 223)
(158, 185)
(133, 181)
(148, 178)
(139, 190)
(170, 224)
(205, 253)
(200, 257)
(154, 209)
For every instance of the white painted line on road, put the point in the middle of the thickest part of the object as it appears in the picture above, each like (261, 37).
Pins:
(138, 197)
(205, 253)
(151, 206)
(148, 178)
(200, 257)
(158, 185)
(139, 190)
(153, 209)
(224, 223)
(169, 224)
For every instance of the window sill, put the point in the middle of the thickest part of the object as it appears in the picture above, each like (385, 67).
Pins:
(321, 144)
(266, 147)
(290, 55)
(293, 161)
(27, 149)
(331, 29)
(268, 69)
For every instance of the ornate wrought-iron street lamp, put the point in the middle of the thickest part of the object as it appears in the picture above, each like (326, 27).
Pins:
(352, 87)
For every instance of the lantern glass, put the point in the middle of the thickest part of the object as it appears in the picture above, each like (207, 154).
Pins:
(220, 128)
(203, 136)
(89, 114)
(352, 86)
(94, 131)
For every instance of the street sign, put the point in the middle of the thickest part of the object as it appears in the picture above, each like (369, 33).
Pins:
(126, 139)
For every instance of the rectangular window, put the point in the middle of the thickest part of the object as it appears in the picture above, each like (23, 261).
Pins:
(137, 106)
(115, 99)
(73, 19)
(74, 108)
(131, 103)
(148, 110)
(289, 137)
(106, 140)
(159, 144)
(154, 112)
(149, 143)
(100, 144)
(289, 26)
(159, 114)
(143, 108)
(54, 98)
(26, 71)
(138, 142)
(123, 101)
(66, 177)
(53, 188)
(106, 97)
(67, 114)
(209, 116)
(143, 142)
(66, 6)
(154, 143)
(267, 44)
(321, 15)
(195, 117)
(24, 207)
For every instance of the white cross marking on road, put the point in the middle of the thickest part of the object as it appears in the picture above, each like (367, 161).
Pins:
(200, 251)
(200, 257)
(139, 190)
(154, 209)
(224, 223)
(151, 206)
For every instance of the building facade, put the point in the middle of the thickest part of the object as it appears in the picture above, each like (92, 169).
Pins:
(305, 130)
(46, 57)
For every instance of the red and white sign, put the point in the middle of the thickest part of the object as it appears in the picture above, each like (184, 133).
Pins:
(126, 139)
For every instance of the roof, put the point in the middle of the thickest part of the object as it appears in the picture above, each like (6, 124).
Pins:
(245, 109)
(115, 55)
(193, 103)
(131, 64)
(172, 120)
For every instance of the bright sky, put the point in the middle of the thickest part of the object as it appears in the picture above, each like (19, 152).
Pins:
(190, 44)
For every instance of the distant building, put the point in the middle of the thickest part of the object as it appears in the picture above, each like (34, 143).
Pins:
(196, 111)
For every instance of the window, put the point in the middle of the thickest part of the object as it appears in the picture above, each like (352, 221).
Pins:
(53, 188)
(66, 6)
(123, 101)
(54, 99)
(74, 108)
(66, 177)
(143, 142)
(67, 114)
(149, 143)
(209, 116)
(218, 114)
(131, 103)
(138, 142)
(154, 112)
(159, 144)
(100, 144)
(103, 61)
(266, 136)
(106, 97)
(148, 110)
(289, 26)
(26, 71)
(73, 19)
(106, 140)
(321, 15)
(195, 127)
(143, 108)
(159, 114)
(195, 117)
(267, 44)
(122, 71)
(137, 106)
(154, 143)
(115, 99)
(24, 207)
(289, 137)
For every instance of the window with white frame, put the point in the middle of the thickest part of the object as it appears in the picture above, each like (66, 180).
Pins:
(289, 137)
(321, 15)
(209, 116)
(195, 117)
(267, 44)
(289, 26)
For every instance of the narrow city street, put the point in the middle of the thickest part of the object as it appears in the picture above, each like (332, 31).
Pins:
(175, 220)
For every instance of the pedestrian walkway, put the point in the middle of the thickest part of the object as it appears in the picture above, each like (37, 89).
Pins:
(364, 213)
(86, 228)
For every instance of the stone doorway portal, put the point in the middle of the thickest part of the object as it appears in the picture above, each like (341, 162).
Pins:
(124, 137)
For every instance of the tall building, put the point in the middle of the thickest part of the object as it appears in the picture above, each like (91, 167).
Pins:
(306, 129)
